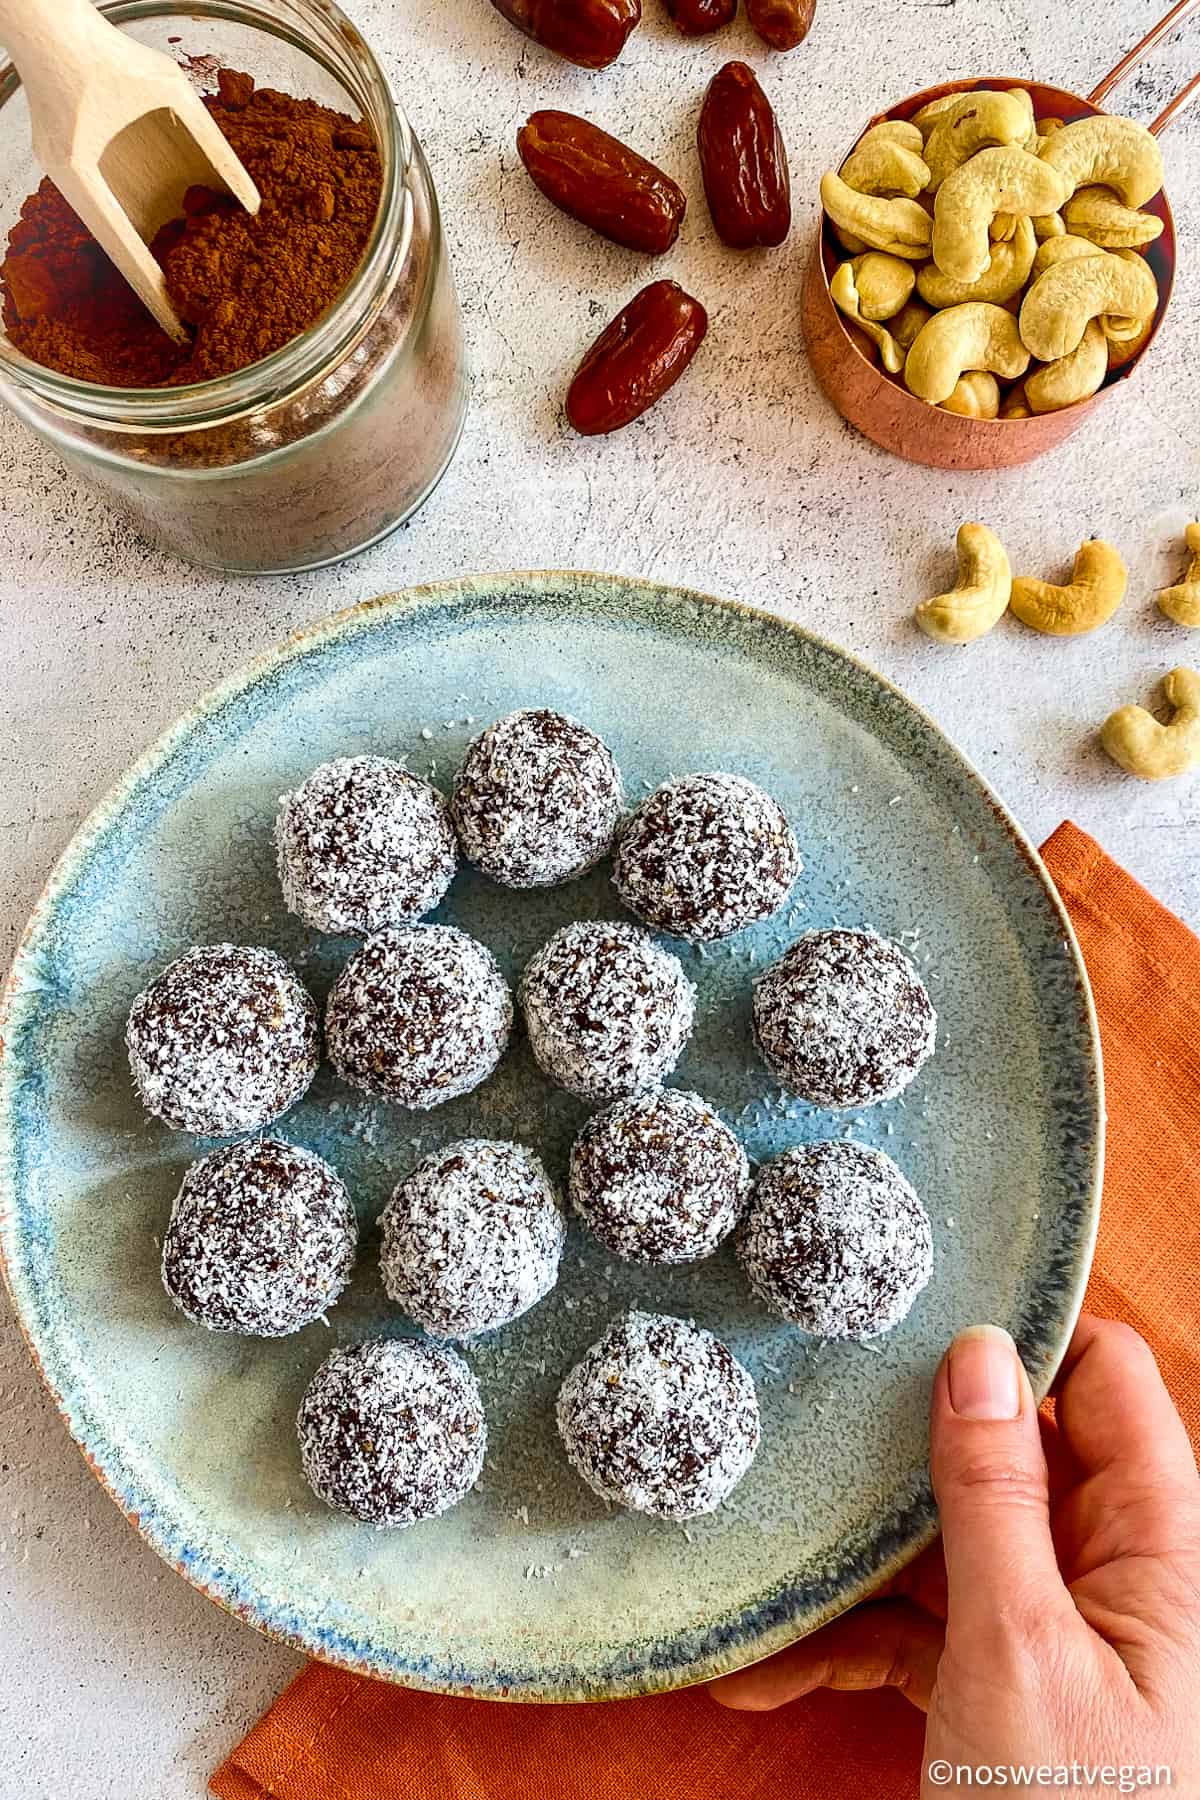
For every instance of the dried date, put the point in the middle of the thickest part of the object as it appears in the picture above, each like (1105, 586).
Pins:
(781, 23)
(591, 33)
(636, 358)
(743, 161)
(696, 18)
(601, 182)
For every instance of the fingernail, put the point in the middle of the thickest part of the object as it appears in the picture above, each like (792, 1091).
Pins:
(985, 1374)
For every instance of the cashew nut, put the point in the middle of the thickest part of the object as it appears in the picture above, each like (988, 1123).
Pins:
(884, 284)
(979, 597)
(1072, 378)
(1096, 213)
(901, 131)
(1105, 151)
(1048, 225)
(1047, 127)
(1062, 249)
(881, 164)
(1182, 602)
(1056, 309)
(927, 116)
(1122, 350)
(1015, 405)
(1006, 274)
(845, 297)
(1002, 227)
(900, 227)
(984, 117)
(908, 322)
(1093, 594)
(976, 395)
(848, 241)
(1134, 738)
(993, 181)
(974, 336)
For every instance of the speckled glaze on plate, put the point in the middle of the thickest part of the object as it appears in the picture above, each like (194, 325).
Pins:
(530, 1589)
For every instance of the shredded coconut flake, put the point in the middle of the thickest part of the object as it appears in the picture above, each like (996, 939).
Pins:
(705, 856)
(843, 1019)
(392, 1431)
(659, 1417)
(836, 1240)
(223, 1040)
(419, 1015)
(538, 799)
(607, 1009)
(362, 844)
(472, 1238)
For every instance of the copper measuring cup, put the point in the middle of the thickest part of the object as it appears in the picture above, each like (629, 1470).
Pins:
(883, 409)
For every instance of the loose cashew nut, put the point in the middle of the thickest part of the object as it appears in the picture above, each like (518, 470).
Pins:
(844, 294)
(1096, 213)
(884, 283)
(1182, 602)
(1006, 274)
(974, 336)
(1072, 378)
(1002, 227)
(900, 227)
(979, 597)
(1056, 309)
(1134, 738)
(1048, 225)
(976, 395)
(909, 322)
(882, 164)
(1015, 405)
(984, 117)
(1105, 151)
(993, 181)
(1093, 594)
(1062, 249)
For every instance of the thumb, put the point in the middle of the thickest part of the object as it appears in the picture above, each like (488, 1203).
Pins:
(989, 1475)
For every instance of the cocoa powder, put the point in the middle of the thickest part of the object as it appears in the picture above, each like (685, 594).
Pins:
(246, 284)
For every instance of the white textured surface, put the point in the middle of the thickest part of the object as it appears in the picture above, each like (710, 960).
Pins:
(115, 1678)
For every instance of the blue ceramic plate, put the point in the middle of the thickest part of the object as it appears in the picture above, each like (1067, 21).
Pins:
(530, 1589)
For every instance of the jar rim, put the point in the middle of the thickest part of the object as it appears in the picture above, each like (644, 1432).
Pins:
(209, 402)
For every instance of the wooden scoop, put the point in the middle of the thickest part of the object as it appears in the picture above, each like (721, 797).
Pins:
(120, 131)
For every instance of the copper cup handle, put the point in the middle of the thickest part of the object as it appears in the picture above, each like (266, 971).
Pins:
(1178, 13)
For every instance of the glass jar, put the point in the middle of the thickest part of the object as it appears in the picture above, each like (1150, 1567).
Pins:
(333, 441)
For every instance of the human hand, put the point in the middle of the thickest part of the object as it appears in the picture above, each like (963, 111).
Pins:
(1058, 1620)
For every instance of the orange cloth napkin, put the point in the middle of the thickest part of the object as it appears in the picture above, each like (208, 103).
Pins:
(334, 1736)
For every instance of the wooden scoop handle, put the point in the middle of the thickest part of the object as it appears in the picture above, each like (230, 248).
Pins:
(54, 43)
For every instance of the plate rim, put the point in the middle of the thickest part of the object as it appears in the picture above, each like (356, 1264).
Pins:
(750, 1643)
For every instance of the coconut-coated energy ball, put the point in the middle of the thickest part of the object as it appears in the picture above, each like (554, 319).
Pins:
(363, 844)
(392, 1431)
(537, 800)
(659, 1417)
(843, 1018)
(705, 856)
(223, 1040)
(835, 1240)
(419, 1015)
(261, 1239)
(607, 1009)
(659, 1178)
(472, 1238)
